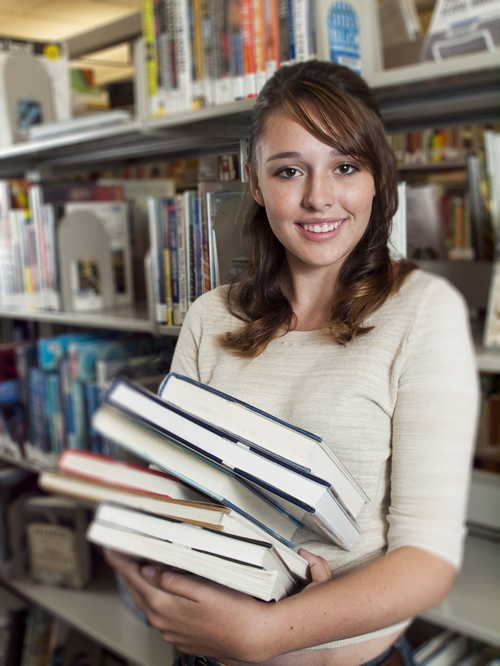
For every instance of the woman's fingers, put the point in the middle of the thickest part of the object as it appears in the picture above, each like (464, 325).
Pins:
(320, 571)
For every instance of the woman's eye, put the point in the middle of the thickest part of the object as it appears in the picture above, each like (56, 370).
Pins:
(346, 169)
(288, 172)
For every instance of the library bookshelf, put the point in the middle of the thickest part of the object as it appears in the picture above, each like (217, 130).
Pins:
(454, 91)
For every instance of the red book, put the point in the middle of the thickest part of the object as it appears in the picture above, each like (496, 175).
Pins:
(248, 46)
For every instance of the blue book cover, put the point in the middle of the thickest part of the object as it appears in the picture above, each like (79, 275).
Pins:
(84, 355)
(51, 350)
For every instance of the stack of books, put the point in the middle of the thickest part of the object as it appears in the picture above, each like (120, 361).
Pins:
(247, 483)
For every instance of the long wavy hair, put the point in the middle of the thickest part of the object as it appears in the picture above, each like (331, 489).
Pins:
(336, 107)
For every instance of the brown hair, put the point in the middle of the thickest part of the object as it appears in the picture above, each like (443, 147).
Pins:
(337, 107)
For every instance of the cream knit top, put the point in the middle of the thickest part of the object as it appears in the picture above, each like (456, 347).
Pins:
(398, 406)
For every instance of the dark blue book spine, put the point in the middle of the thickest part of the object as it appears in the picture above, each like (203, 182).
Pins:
(92, 395)
(38, 399)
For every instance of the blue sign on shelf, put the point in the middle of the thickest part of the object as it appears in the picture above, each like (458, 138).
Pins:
(344, 35)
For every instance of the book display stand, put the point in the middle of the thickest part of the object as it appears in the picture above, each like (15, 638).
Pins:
(457, 89)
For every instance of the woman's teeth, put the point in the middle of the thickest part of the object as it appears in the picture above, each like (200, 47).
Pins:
(321, 228)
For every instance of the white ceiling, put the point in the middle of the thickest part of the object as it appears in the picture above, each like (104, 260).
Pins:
(46, 20)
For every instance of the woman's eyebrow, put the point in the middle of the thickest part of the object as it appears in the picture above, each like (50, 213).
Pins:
(281, 156)
(294, 155)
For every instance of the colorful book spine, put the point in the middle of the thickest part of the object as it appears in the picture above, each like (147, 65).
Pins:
(248, 46)
(151, 58)
(208, 38)
(183, 58)
(155, 216)
(272, 36)
(259, 29)
(174, 258)
(197, 53)
(237, 70)
(291, 30)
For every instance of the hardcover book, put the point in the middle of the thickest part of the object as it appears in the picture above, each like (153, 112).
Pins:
(304, 496)
(251, 425)
(220, 485)
(247, 565)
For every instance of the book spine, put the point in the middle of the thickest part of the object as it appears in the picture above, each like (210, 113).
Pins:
(56, 415)
(182, 250)
(291, 30)
(20, 273)
(301, 29)
(183, 57)
(174, 258)
(248, 45)
(284, 41)
(198, 247)
(50, 233)
(272, 36)
(221, 52)
(92, 396)
(260, 45)
(205, 240)
(311, 19)
(151, 64)
(77, 434)
(41, 247)
(167, 262)
(236, 69)
(191, 270)
(208, 37)
(38, 400)
(155, 235)
(197, 94)
(161, 30)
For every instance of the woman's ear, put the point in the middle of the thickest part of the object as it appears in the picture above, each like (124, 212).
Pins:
(254, 184)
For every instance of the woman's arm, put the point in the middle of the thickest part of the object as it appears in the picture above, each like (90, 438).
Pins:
(200, 617)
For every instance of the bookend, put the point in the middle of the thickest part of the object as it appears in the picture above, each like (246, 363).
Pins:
(87, 282)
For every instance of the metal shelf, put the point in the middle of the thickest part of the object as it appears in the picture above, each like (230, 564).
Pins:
(133, 318)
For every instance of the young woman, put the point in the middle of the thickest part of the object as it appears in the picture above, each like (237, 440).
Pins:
(325, 331)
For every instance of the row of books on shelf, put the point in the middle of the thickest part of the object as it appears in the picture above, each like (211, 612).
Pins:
(452, 214)
(81, 247)
(196, 245)
(49, 389)
(439, 145)
(204, 52)
(73, 246)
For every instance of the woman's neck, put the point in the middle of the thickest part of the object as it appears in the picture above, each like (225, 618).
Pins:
(312, 297)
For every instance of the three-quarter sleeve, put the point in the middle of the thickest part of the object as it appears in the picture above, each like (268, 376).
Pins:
(433, 429)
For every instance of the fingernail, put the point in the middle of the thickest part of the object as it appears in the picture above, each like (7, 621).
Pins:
(148, 572)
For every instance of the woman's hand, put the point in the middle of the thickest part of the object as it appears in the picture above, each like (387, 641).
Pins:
(199, 616)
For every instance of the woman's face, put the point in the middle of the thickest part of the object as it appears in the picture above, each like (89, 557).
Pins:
(318, 201)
